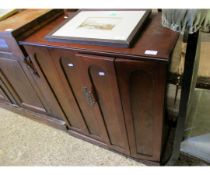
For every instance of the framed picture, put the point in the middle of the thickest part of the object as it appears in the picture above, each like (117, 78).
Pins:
(101, 27)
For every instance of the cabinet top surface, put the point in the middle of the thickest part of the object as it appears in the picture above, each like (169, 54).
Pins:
(151, 37)
(21, 18)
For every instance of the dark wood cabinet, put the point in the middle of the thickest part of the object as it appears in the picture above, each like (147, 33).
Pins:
(114, 100)
(22, 82)
(112, 97)
(13, 74)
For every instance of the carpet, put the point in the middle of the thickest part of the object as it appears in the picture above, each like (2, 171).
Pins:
(24, 142)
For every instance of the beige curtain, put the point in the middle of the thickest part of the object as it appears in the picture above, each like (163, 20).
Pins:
(186, 20)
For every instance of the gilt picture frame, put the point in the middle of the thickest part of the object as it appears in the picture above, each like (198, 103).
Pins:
(115, 28)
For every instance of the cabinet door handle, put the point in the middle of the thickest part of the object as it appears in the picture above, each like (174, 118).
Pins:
(89, 95)
(30, 64)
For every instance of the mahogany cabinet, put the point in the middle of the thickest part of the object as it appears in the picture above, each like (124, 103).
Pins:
(13, 75)
(112, 97)
(21, 82)
(104, 95)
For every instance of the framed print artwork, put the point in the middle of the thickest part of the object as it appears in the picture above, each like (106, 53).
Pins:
(101, 27)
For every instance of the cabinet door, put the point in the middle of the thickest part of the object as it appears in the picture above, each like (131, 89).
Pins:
(94, 84)
(83, 91)
(142, 88)
(52, 69)
(42, 86)
(12, 72)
